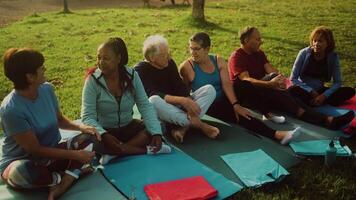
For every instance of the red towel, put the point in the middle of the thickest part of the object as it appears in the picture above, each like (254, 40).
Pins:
(349, 104)
(351, 129)
(193, 188)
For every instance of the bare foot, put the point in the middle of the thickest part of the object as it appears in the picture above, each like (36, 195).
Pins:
(179, 133)
(57, 190)
(210, 131)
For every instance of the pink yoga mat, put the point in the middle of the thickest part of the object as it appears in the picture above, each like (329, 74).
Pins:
(194, 188)
(350, 104)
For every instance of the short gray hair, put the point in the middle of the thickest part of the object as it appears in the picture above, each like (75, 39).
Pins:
(151, 45)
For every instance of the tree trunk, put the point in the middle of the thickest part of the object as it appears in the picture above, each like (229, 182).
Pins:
(198, 9)
(65, 6)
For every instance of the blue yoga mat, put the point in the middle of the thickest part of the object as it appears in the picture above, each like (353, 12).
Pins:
(318, 148)
(331, 110)
(131, 174)
(255, 168)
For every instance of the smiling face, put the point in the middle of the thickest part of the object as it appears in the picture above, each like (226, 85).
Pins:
(319, 44)
(197, 51)
(107, 60)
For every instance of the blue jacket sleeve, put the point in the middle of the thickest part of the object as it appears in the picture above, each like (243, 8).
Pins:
(89, 112)
(336, 74)
(297, 71)
(146, 109)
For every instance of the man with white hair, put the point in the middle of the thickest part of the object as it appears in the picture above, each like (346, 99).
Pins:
(169, 95)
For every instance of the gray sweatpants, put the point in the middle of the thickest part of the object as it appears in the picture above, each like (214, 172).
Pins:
(167, 112)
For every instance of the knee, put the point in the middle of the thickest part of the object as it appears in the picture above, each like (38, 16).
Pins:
(16, 174)
(210, 91)
(145, 135)
(83, 140)
(155, 99)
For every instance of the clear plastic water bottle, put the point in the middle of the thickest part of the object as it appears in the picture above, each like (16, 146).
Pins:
(330, 154)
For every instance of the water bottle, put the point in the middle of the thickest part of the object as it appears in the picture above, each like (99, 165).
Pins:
(330, 154)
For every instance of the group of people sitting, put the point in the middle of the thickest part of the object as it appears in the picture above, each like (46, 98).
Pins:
(35, 156)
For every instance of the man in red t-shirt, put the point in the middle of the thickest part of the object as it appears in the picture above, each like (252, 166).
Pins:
(259, 85)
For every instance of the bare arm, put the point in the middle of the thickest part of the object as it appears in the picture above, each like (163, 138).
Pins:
(229, 90)
(29, 142)
(187, 73)
(65, 123)
(269, 68)
(226, 83)
(245, 76)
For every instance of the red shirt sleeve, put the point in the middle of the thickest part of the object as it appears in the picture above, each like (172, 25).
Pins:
(237, 64)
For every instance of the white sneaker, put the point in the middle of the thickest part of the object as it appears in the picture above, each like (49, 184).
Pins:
(291, 136)
(275, 119)
(105, 158)
(164, 149)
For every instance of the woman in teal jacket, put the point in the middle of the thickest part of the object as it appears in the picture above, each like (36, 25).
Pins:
(110, 92)
(314, 66)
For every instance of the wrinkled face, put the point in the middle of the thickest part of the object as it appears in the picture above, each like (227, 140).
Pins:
(161, 60)
(319, 44)
(197, 51)
(107, 61)
(254, 42)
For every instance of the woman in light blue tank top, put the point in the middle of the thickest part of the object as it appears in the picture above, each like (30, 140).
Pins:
(202, 69)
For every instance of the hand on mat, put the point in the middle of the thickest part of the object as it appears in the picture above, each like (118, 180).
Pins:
(156, 143)
(89, 130)
(239, 110)
(318, 101)
(84, 156)
(191, 107)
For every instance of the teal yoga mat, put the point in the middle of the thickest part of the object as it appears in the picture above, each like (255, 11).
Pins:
(331, 110)
(91, 187)
(131, 174)
(319, 147)
(233, 139)
(255, 168)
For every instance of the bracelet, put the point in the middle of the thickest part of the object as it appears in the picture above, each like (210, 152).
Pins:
(235, 103)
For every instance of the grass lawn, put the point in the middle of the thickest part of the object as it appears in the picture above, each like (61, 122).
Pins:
(69, 43)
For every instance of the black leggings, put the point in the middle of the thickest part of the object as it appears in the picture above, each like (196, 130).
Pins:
(223, 110)
(341, 95)
(266, 99)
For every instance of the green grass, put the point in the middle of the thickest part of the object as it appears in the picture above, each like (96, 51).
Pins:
(69, 43)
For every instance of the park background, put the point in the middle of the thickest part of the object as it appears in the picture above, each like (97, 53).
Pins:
(69, 43)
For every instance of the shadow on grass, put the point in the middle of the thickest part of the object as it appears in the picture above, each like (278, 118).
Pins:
(300, 45)
(203, 24)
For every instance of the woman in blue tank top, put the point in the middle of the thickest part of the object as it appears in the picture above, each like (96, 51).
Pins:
(201, 69)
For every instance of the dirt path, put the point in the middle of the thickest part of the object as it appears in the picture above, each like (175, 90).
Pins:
(12, 10)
